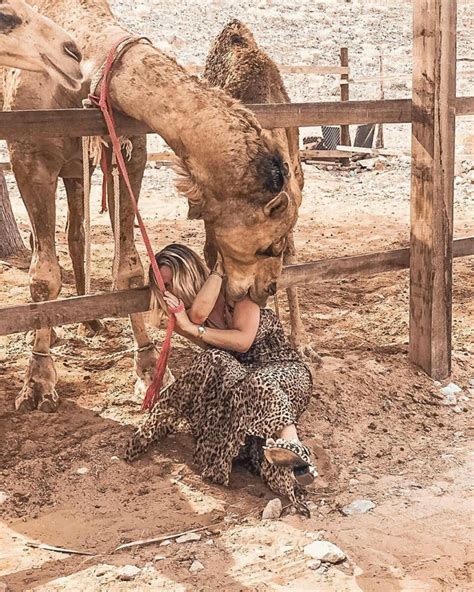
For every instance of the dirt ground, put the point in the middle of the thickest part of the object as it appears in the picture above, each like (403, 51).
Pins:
(378, 426)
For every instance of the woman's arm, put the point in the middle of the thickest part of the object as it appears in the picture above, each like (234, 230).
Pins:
(239, 339)
(207, 296)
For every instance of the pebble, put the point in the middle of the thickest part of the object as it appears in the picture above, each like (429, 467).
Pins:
(471, 381)
(314, 564)
(451, 389)
(449, 399)
(114, 458)
(353, 482)
(196, 566)
(3, 497)
(159, 558)
(128, 573)
(82, 471)
(189, 538)
(324, 551)
(101, 569)
(165, 543)
(272, 510)
(358, 507)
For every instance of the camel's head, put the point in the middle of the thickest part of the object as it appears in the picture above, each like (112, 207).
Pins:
(249, 218)
(33, 42)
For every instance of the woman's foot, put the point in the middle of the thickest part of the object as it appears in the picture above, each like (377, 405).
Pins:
(305, 475)
(286, 453)
(291, 453)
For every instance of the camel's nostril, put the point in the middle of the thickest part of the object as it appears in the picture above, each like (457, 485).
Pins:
(72, 50)
(272, 288)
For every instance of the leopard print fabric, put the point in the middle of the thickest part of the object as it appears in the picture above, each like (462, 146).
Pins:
(232, 403)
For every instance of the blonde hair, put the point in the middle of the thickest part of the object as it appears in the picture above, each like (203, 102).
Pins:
(189, 272)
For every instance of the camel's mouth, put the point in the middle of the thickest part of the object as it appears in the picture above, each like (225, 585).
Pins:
(70, 82)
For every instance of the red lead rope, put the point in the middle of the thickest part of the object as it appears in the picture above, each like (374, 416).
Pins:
(104, 103)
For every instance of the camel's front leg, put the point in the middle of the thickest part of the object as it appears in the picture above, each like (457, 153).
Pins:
(298, 337)
(37, 186)
(130, 269)
(76, 243)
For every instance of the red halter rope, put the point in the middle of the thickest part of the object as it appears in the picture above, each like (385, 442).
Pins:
(105, 105)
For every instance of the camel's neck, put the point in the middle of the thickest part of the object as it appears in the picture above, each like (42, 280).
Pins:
(196, 122)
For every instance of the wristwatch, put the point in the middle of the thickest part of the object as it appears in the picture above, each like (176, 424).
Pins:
(201, 331)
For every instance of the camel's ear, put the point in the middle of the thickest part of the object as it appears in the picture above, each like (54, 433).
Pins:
(187, 185)
(277, 206)
(194, 211)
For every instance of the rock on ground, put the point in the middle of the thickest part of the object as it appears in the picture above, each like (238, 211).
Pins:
(128, 573)
(272, 510)
(189, 538)
(358, 507)
(196, 566)
(324, 551)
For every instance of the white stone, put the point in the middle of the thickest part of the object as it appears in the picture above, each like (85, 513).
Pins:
(353, 482)
(449, 399)
(102, 569)
(324, 551)
(165, 543)
(3, 497)
(471, 381)
(114, 458)
(82, 471)
(313, 564)
(196, 566)
(451, 389)
(272, 510)
(189, 538)
(358, 507)
(128, 573)
(159, 558)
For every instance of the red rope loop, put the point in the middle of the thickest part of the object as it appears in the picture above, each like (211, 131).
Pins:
(105, 105)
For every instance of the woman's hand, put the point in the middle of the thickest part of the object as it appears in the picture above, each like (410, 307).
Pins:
(182, 320)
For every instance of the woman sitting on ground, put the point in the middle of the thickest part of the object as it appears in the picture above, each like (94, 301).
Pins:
(242, 395)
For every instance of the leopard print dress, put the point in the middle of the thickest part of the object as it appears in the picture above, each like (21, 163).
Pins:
(232, 403)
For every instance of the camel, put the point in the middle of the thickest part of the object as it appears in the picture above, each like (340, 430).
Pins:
(235, 177)
(30, 41)
(236, 64)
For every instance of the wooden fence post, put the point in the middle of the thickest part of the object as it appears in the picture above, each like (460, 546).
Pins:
(345, 135)
(379, 143)
(432, 185)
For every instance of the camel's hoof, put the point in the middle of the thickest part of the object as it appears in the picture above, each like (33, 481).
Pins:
(25, 401)
(141, 387)
(90, 328)
(39, 391)
(49, 402)
(310, 355)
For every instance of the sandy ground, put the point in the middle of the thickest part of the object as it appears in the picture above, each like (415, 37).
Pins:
(377, 425)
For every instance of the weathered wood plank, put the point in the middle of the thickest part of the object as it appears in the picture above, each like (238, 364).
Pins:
(23, 317)
(432, 188)
(71, 123)
(344, 90)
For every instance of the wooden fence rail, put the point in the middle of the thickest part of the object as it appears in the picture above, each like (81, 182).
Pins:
(24, 317)
(70, 123)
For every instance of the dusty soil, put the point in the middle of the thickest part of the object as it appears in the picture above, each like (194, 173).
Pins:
(376, 423)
